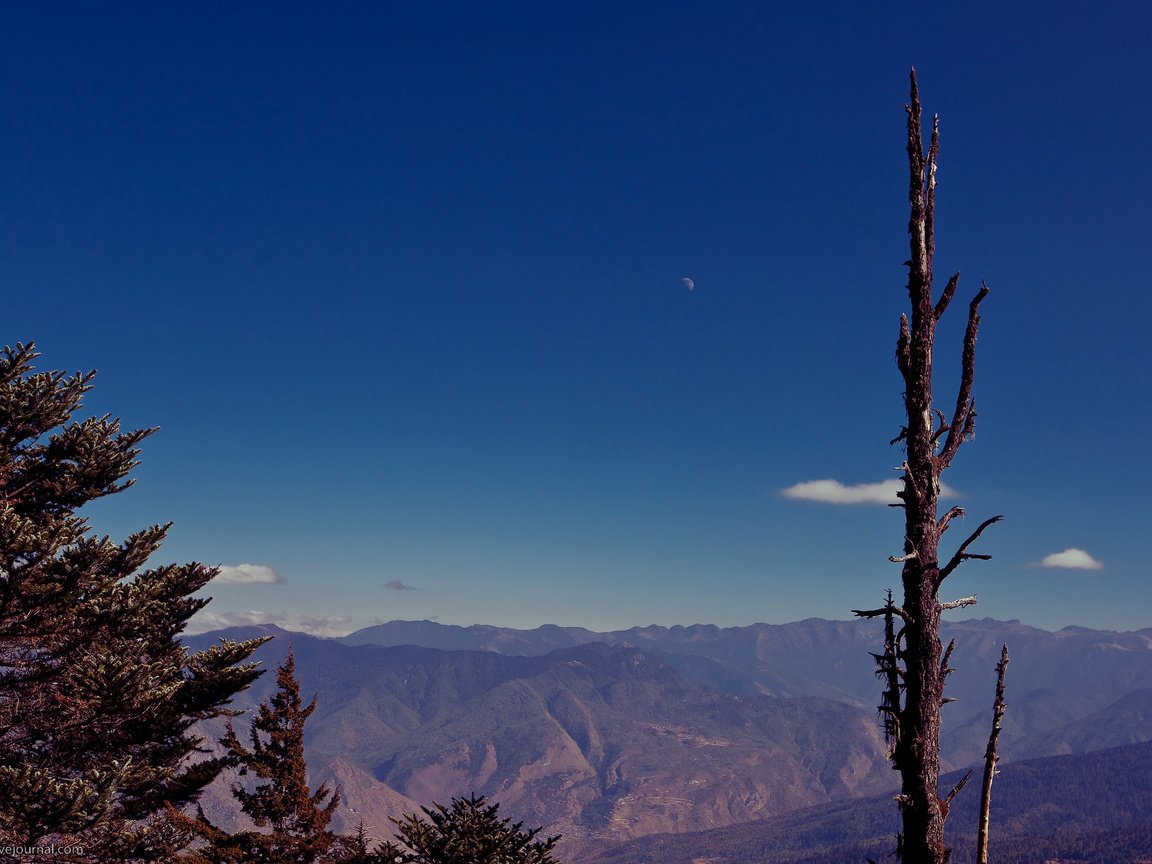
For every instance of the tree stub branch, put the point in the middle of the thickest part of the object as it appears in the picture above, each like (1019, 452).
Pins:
(880, 613)
(941, 428)
(904, 348)
(962, 602)
(946, 297)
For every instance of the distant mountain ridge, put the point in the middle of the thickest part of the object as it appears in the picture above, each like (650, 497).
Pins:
(1055, 678)
(629, 734)
(477, 637)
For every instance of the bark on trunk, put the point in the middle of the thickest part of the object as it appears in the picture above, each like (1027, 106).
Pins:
(914, 664)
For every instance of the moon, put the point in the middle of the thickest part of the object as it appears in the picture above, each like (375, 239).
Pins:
(688, 283)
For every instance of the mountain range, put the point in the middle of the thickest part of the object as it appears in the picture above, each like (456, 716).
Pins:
(1055, 678)
(608, 738)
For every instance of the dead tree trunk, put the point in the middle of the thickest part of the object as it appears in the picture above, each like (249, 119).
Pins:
(914, 664)
(990, 759)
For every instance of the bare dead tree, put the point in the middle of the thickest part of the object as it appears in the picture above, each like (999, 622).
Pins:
(914, 664)
(990, 760)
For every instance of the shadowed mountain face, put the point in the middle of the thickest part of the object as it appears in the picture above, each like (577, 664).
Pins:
(610, 737)
(606, 742)
(1089, 808)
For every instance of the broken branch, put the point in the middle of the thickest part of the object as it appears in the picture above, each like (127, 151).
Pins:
(942, 428)
(963, 419)
(944, 667)
(946, 297)
(962, 553)
(947, 802)
(879, 613)
(942, 525)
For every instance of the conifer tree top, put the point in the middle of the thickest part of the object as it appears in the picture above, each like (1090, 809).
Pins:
(97, 696)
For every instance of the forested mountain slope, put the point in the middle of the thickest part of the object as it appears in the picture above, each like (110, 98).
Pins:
(1088, 808)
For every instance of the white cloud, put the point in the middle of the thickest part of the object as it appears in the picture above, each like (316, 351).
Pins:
(835, 492)
(1071, 559)
(330, 625)
(250, 574)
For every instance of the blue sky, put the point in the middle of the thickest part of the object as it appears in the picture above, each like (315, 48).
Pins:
(401, 285)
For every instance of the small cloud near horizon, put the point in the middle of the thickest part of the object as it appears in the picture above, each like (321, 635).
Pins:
(326, 626)
(1071, 559)
(835, 492)
(397, 585)
(248, 574)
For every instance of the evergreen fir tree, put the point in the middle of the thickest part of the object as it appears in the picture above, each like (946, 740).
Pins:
(467, 832)
(357, 849)
(297, 819)
(97, 694)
